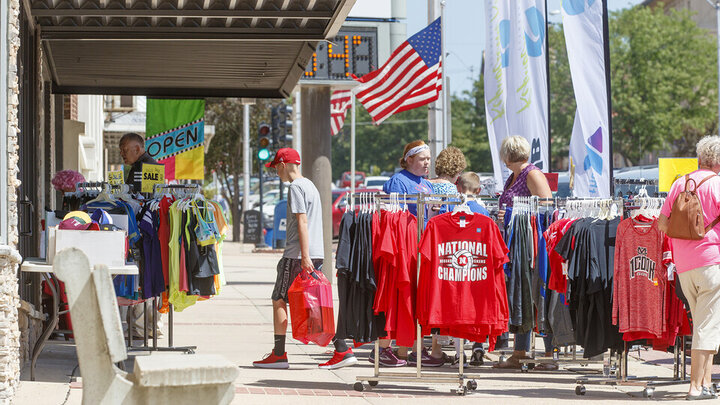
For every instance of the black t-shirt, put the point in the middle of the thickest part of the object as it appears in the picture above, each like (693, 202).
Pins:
(342, 264)
(589, 248)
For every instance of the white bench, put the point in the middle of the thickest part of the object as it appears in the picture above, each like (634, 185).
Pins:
(157, 379)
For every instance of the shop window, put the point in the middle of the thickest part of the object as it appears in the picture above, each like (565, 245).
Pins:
(126, 101)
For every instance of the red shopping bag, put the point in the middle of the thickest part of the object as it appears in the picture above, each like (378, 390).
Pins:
(311, 308)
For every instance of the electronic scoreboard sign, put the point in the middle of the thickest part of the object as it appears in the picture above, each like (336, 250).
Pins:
(352, 51)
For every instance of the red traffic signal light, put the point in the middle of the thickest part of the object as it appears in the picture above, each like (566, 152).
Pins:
(264, 129)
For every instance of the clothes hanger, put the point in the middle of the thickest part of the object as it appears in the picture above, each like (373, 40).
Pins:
(462, 207)
(104, 196)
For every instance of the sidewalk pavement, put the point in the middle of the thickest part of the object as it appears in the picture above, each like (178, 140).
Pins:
(238, 325)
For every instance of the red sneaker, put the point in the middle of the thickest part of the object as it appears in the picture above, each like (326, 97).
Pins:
(340, 359)
(272, 361)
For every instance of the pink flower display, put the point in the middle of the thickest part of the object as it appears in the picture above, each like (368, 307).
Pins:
(65, 180)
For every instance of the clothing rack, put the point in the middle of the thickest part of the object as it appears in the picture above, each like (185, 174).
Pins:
(648, 384)
(646, 182)
(420, 376)
(622, 377)
(89, 187)
(159, 189)
(534, 205)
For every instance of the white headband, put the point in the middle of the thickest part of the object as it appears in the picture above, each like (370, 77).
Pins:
(414, 151)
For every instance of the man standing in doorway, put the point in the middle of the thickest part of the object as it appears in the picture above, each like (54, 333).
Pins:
(132, 151)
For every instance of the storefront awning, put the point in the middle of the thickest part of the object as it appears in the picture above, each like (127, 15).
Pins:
(185, 48)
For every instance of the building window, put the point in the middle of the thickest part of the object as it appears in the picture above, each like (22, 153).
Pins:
(126, 101)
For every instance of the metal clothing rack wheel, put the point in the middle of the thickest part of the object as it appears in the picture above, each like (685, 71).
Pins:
(648, 384)
(464, 383)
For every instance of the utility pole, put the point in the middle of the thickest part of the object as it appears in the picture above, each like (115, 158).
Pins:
(246, 157)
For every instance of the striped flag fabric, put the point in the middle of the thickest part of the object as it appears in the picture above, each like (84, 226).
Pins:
(411, 77)
(339, 104)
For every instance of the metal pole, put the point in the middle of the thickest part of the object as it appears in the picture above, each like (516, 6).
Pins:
(262, 227)
(717, 14)
(246, 157)
(445, 108)
(352, 144)
(435, 123)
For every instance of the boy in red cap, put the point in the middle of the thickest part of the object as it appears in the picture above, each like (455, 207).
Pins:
(304, 251)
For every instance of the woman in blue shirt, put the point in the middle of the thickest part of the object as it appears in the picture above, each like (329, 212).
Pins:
(411, 180)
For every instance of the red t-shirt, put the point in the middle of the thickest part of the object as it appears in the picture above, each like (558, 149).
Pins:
(463, 257)
(164, 236)
(406, 280)
(640, 279)
(557, 281)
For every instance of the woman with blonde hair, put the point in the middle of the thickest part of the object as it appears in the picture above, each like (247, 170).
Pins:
(526, 180)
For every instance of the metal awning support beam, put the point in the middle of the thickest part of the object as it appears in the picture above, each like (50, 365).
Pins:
(179, 34)
(169, 92)
(164, 13)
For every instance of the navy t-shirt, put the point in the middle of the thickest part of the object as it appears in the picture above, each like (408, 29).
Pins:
(404, 182)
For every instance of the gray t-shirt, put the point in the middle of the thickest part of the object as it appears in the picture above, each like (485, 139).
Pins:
(304, 198)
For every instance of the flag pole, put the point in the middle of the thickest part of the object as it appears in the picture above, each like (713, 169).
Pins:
(606, 51)
(352, 144)
(443, 66)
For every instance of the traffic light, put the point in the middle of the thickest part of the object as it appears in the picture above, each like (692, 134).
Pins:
(275, 126)
(263, 141)
(285, 123)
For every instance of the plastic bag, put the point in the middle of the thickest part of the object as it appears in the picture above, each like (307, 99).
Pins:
(311, 308)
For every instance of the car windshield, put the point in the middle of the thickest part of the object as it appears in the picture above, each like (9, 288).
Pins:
(375, 182)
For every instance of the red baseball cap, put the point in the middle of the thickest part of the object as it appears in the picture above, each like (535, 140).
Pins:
(285, 155)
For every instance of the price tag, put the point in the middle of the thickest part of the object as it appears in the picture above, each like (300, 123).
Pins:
(116, 177)
(152, 175)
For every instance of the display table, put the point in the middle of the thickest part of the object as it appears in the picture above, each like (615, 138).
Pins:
(36, 265)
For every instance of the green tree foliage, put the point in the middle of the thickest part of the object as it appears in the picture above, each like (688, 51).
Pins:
(664, 82)
(224, 154)
(377, 146)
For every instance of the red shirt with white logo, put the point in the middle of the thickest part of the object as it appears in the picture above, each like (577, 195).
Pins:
(462, 286)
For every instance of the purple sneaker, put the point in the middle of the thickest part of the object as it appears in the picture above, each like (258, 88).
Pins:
(387, 358)
(427, 359)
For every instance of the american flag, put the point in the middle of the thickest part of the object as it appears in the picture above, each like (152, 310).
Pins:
(411, 78)
(339, 104)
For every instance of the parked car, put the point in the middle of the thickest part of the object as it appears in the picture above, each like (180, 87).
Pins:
(375, 182)
(340, 202)
(345, 179)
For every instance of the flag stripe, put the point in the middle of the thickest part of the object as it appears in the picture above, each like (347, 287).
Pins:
(340, 101)
(410, 78)
(397, 99)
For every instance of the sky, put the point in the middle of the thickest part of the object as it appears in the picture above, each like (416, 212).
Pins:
(466, 34)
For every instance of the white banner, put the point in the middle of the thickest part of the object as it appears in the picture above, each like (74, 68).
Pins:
(590, 143)
(516, 99)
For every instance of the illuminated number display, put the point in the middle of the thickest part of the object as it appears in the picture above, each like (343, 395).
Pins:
(352, 51)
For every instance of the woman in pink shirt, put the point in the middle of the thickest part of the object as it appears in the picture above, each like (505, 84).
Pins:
(698, 266)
